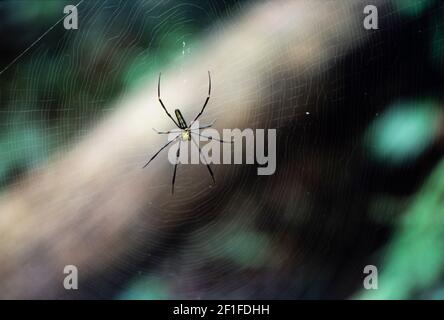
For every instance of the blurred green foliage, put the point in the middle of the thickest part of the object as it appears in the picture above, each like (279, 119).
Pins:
(412, 263)
(403, 132)
(246, 248)
(22, 146)
(414, 259)
(147, 288)
(437, 43)
(412, 8)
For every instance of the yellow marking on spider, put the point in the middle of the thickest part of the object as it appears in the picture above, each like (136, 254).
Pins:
(186, 135)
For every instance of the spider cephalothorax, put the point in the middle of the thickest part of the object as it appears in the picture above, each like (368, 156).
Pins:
(185, 132)
(186, 135)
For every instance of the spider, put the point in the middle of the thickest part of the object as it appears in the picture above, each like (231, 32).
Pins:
(185, 133)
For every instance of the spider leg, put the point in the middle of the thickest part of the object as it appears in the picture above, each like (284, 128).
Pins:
(166, 132)
(206, 101)
(211, 138)
(208, 125)
(155, 155)
(163, 106)
(206, 163)
(203, 127)
(175, 167)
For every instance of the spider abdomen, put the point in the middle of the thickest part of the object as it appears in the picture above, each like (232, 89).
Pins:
(180, 119)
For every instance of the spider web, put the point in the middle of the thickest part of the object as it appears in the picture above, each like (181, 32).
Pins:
(256, 237)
